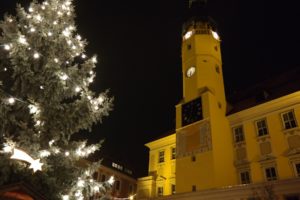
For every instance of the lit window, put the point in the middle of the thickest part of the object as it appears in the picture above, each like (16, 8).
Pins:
(173, 189)
(245, 177)
(173, 153)
(238, 134)
(160, 191)
(261, 126)
(289, 120)
(161, 157)
(271, 174)
(297, 168)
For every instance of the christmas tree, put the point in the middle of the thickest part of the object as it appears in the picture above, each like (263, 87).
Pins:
(45, 99)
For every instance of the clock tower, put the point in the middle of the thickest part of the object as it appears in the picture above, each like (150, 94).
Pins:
(203, 135)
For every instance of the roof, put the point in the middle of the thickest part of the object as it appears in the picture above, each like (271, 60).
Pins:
(270, 89)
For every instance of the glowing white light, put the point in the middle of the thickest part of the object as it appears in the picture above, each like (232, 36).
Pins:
(32, 29)
(111, 180)
(67, 153)
(66, 32)
(65, 197)
(45, 153)
(41, 87)
(38, 18)
(89, 97)
(43, 7)
(56, 150)
(50, 34)
(80, 183)
(29, 16)
(91, 180)
(30, 9)
(96, 189)
(11, 100)
(7, 47)
(68, 3)
(59, 13)
(45, 3)
(74, 47)
(78, 37)
(7, 148)
(67, 62)
(83, 56)
(64, 76)
(188, 35)
(21, 155)
(215, 35)
(71, 27)
(77, 89)
(36, 55)
(56, 60)
(5, 69)
(22, 39)
(55, 22)
(190, 72)
(91, 79)
(131, 197)
(94, 59)
(51, 142)
(10, 19)
(69, 42)
(100, 100)
(38, 122)
(96, 107)
(68, 13)
(91, 72)
(33, 109)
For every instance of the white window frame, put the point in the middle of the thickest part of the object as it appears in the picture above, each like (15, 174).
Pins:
(271, 178)
(265, 128)
(239, 135)
(289, 121)
(161, 157)
(173, 154)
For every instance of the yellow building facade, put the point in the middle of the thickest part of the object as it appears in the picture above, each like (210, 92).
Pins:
(213, 151)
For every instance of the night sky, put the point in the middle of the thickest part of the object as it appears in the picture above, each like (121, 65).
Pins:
(138, 48)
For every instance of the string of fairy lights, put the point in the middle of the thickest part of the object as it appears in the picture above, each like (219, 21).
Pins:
(76, 44)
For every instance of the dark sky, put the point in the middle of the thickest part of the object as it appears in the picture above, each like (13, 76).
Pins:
(138, 46)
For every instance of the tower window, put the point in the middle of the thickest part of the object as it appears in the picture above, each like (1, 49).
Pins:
(261, 126)
(245, 177)
(161, 157)
(289, 120)
(160, 191)
(173, 188)
(238, 134)
(173, 153)
(218, 69)
(189, 46)
(271, 174)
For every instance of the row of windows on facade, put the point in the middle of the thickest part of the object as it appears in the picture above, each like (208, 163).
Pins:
(269, 172)
(160, 190)
(270, 175)
(161, 155)
(288, 121)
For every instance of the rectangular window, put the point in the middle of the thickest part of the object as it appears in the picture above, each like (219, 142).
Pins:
(238, 134)
(261, 126)
(118, 184)
(245, 177)
(297, 168)
(173, 189)
(160, 191)
(289, 120)
(194, 188)
(271, 174)
(173, 153)
(161, 157)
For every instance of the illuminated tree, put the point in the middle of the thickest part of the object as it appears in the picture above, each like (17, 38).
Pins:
(45, 99)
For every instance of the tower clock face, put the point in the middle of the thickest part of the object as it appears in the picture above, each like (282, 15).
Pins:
(192, 111)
